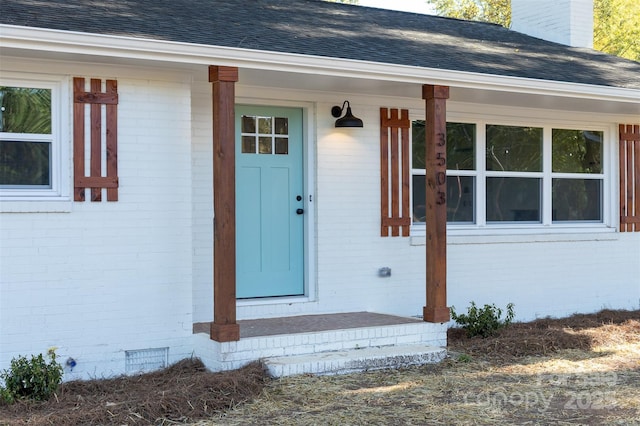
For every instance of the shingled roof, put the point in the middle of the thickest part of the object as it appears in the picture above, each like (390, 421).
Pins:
(319, 28)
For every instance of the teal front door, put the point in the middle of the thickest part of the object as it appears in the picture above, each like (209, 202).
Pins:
(269, 202)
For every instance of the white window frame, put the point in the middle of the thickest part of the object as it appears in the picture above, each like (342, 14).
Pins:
(546, 226)
(26, 199)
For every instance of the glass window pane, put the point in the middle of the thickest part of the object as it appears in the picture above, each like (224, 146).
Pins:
(577, 200)
(25, 110)
(248, 145)
(513, 199)
(282, 126)
(460, 199)
(461, 142)
(417, 144)
(513, 148)
(264, 125)
(248, 124)
(264, 144)
(25, 163)
(419, 206)
(577, 151)
(282, 145)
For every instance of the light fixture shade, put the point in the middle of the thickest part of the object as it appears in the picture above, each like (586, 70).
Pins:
(349, 120)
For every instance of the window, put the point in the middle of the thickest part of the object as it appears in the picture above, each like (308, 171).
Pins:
(25, 121)
(265, 135)
(577, 175)
(515, 175)
(30, 163)
(461, 172)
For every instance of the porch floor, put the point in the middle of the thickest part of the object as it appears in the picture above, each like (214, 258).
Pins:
(311, 323)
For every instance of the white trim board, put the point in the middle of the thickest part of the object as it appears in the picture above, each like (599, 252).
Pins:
(18, 37)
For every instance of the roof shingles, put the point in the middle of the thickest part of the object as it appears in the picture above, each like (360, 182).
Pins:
(319, 28)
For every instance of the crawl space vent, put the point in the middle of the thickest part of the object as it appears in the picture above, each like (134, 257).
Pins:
(144, 360)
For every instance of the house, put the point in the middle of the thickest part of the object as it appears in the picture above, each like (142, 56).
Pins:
(491, 166)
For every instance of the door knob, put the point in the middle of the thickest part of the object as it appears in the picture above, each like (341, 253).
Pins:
(300, 211)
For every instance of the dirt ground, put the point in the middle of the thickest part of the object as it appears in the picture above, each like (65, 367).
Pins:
(584, 370)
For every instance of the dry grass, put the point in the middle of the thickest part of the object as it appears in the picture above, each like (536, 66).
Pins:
(579, 370)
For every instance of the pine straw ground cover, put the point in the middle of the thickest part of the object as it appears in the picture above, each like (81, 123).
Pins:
(584, 369)
(184, 392)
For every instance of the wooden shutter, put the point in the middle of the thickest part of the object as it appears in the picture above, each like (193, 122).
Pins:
(93, 100)
(394, 171)
(629, 178)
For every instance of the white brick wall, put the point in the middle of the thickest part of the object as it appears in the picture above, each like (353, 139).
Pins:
(202, 192)
(109, 277)
(568, 22)
(555, 278)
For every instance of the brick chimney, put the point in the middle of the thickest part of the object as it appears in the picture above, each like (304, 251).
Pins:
(568, 22)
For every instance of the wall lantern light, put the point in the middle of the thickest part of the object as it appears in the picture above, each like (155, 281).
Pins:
(348, 120)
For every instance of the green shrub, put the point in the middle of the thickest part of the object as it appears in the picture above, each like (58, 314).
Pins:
(483, 321)
(33, 378)
(5, 396)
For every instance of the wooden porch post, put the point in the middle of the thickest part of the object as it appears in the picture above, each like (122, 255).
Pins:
(224, 327)
(436, 309)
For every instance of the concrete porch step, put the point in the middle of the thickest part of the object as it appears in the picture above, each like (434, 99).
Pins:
(354, 360)
(325, 343)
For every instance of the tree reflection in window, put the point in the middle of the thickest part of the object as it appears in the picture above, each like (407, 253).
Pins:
(25, 160)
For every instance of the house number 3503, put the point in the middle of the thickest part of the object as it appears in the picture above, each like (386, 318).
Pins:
(441, 169)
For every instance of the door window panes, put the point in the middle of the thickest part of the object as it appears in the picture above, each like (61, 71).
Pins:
(248, 124)
(265, 135)
(281, 126)
(264, 125)
(265, 145)
(282, 146)
(248, 144)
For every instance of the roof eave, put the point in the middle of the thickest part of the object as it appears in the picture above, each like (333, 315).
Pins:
(29, 38)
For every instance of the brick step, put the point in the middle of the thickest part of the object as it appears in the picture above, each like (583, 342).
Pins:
(354, 360)
(360, 341)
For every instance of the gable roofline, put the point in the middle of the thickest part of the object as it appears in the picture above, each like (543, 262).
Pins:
(70, 42)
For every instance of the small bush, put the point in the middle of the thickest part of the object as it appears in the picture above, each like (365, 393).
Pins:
(483, 321)
(464, 358)
(6, 397)
(33, 378)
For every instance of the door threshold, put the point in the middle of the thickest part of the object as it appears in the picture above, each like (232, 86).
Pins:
(273, 300)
